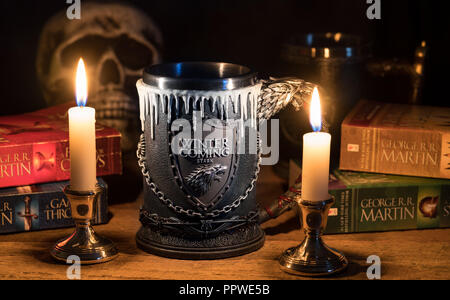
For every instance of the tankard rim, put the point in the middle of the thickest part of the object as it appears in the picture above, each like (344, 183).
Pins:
(199, 75)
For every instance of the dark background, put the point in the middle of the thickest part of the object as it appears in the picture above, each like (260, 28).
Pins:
(247, 32)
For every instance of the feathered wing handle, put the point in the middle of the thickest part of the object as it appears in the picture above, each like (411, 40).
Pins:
(275, 95)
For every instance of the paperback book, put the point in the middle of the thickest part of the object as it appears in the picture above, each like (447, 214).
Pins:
(366, 202)
(43, 206)
(34, 148)
(397, 139)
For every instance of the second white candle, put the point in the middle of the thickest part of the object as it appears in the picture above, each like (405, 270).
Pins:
(316, 156)
(315, 166)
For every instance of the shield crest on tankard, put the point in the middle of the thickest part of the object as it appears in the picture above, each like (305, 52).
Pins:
(199, 122)
(206, 162)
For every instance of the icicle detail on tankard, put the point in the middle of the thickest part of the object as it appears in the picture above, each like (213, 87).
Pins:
(243, 102)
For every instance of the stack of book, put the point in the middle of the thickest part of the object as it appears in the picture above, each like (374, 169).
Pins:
(394, 169)
(35, 167)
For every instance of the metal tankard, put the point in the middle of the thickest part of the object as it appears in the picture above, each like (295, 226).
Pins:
(198, 120)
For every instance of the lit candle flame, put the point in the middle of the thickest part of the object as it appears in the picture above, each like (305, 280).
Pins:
(315, 115)
(81, 84)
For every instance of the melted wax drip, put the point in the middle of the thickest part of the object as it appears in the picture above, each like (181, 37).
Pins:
(243, 102)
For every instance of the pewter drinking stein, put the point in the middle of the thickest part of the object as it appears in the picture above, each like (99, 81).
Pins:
(199, 122)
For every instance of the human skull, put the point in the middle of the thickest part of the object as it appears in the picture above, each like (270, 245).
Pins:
(116, 41)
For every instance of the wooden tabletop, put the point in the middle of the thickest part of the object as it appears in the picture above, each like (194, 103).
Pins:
(413, 254)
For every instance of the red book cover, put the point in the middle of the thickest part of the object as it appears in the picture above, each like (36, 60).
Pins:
(34, 148)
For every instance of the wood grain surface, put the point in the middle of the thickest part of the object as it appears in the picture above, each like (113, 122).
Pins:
(413, 254)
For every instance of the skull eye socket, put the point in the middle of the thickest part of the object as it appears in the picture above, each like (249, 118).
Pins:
(90, 47)
(133, 54)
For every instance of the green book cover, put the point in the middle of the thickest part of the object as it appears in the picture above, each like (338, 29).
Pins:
(378, 202)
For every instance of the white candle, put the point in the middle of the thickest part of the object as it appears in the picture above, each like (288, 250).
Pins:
(316, 156)
(83, 160)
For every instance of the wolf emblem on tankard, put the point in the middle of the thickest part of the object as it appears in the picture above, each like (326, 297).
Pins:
(198, 120)
(200, 179)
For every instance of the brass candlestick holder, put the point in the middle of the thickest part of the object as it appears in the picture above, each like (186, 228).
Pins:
(84, 242)
(313, 257)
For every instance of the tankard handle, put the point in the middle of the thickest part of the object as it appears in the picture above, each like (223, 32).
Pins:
(276, 94)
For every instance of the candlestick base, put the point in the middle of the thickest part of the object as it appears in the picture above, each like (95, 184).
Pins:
(84, 242)
(87, 245)
(313, 257)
